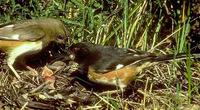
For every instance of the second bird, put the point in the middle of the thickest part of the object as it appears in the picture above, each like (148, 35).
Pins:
(28, 37)
(114, 66)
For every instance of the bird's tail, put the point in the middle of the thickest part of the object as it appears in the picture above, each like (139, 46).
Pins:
(179, 56)
(149, 61)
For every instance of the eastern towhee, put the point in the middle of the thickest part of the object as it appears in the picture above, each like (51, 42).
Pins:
(28, 37)
(114, 66)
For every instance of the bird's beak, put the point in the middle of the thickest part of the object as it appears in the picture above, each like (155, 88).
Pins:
(68, 55)
(71, 57)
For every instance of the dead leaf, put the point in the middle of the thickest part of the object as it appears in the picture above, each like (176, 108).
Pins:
(48, 76)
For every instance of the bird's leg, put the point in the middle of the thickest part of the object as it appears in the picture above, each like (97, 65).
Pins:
(14, 71)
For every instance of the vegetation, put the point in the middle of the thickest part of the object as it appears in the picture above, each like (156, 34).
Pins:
(159, 26)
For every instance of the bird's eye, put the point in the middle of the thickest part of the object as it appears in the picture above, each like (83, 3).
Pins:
(60, 37)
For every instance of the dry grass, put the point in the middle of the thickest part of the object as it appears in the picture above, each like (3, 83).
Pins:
(158, 87)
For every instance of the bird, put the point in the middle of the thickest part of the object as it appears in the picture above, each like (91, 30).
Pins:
(28, 37)
(114, 66)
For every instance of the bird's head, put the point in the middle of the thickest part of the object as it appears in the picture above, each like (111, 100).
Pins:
(80, 51)
(57, 30)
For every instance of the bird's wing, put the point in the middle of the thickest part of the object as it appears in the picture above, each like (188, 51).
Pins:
(116, 58)
(21, 32)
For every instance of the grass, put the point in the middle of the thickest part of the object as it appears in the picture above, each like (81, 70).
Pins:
(157, 26)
